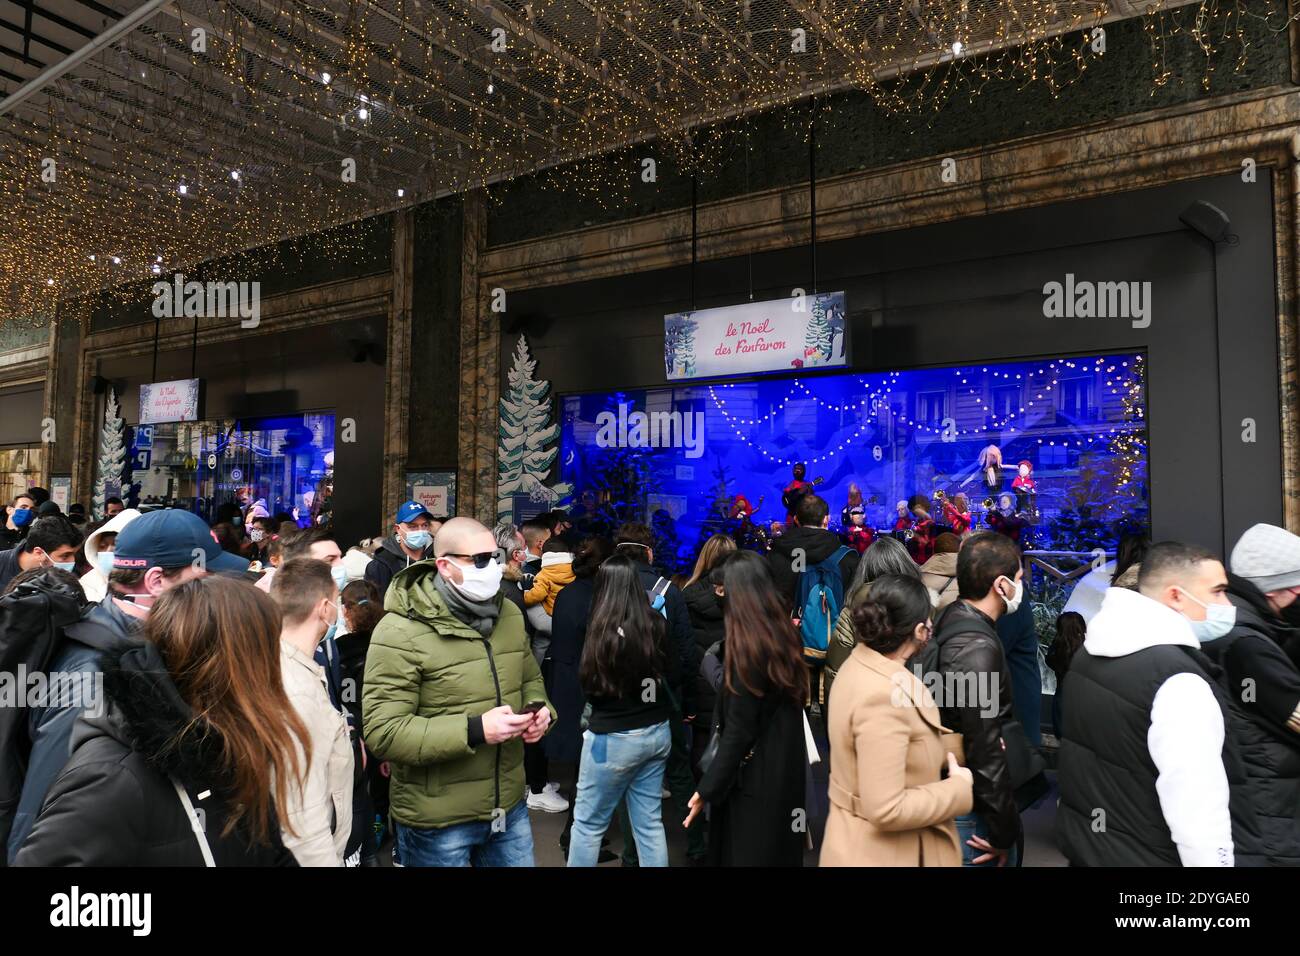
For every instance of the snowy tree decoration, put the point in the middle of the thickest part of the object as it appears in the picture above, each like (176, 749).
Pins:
(817, 340)
(112, 455)
(528, 441)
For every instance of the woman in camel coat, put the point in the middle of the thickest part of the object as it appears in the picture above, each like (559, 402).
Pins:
(889, 806)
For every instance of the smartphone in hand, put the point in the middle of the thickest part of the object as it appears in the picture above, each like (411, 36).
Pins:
(533, 707)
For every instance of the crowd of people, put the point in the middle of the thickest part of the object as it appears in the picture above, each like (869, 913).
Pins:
(258, 693)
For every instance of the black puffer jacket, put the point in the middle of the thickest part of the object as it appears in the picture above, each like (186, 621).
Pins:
(1262, 686)
(816, 545)
(32, 617)
(968, 646)
(115, 804)
(706, 625)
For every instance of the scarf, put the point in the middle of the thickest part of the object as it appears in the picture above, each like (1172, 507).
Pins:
(480, 615)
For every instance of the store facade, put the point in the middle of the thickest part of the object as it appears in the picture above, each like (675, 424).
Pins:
(957, 275)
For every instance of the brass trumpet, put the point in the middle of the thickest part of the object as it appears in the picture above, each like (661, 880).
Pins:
(988, 504)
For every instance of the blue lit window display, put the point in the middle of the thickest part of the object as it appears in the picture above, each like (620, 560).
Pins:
(677, 457)
(285, 461)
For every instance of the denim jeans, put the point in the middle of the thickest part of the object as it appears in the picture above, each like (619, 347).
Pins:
(507, 841)
(680, 779)
(970, 825)
(628, 764)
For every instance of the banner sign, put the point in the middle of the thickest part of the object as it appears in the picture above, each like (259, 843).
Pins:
(801, 332)
(436, 490)
(169, 401)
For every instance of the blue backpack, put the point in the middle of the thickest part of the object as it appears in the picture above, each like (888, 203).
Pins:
(821, 593)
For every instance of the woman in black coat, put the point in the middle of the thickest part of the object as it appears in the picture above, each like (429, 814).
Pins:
(568, 636)
(706, 628)
(755, 783)
(118, 801)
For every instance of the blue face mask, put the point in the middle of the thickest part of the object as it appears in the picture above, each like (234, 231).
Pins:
(22, 517)
(64, 565)
(104, 561)
(418, 540)
(331, 631)
(1219, 620)
(340, 575)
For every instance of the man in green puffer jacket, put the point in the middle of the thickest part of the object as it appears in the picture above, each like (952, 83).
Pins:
(448, 677)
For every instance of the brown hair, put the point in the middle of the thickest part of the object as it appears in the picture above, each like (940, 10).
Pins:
(763, 650)
(220, 640)
(299, 585)
(362, 618)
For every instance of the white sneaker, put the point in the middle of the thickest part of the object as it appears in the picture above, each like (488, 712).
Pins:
(548, 801)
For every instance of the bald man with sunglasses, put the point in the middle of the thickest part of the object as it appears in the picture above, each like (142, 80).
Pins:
(452, 693)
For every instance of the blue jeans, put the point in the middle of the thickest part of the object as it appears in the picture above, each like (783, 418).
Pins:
(628, 763)
(972, 824)
(507, 841)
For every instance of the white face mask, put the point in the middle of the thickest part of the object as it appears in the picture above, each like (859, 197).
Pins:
(1013, 602)
(478, 584)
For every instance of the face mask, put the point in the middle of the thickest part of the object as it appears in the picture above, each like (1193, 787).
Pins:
(1219, 620)
(22, 516)
(104, 561)
(257, 534)
(1013, 602)
(340, 575)
(331, 630)
(479, 584)
(65, 565)
(417, 540)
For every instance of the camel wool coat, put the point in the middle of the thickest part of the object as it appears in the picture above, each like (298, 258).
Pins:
(888, 805)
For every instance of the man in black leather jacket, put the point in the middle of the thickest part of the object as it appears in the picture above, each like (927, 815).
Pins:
(973, 690)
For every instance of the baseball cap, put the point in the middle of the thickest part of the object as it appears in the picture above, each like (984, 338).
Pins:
(410, 511)
(171, 539)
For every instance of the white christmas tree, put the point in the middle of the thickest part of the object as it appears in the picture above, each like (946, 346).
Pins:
(528, 440)
(112, 452)
(817, 340)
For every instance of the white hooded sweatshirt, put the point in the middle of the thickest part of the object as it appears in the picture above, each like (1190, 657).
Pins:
(1186, 736)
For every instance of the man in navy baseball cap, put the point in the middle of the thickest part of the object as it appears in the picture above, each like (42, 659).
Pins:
(411, 540)
(171, 539)
(155, 552)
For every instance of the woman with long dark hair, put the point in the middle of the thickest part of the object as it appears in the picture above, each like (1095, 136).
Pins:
(197, 721)
(626, 665)
(889, 804)
(754, 783)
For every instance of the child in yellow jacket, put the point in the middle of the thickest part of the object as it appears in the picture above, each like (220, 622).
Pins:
(556, 572)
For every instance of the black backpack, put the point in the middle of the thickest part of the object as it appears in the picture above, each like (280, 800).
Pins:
(32, 618)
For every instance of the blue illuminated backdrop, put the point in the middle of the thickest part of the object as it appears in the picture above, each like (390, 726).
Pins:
(1080, 422)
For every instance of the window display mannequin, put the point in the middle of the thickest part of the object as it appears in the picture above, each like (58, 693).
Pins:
(1024, 486)
(991, 468)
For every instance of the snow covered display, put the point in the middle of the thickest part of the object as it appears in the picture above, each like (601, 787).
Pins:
(817, 340)
(112, 455)
(528, 441)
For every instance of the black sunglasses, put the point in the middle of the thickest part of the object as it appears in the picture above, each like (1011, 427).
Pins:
(480, 560)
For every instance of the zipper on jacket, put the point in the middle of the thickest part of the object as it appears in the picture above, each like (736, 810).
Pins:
(496, 683)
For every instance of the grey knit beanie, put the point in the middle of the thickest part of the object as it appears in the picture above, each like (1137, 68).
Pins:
(1268, 557)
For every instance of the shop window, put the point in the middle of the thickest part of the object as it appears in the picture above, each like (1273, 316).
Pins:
(220, 468)
(20, 468)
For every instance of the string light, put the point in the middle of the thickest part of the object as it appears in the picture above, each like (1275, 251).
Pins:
(576, 80)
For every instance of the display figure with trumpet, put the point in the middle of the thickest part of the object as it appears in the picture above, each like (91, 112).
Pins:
(1004, 520)
(921, 543)
(956, 511)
